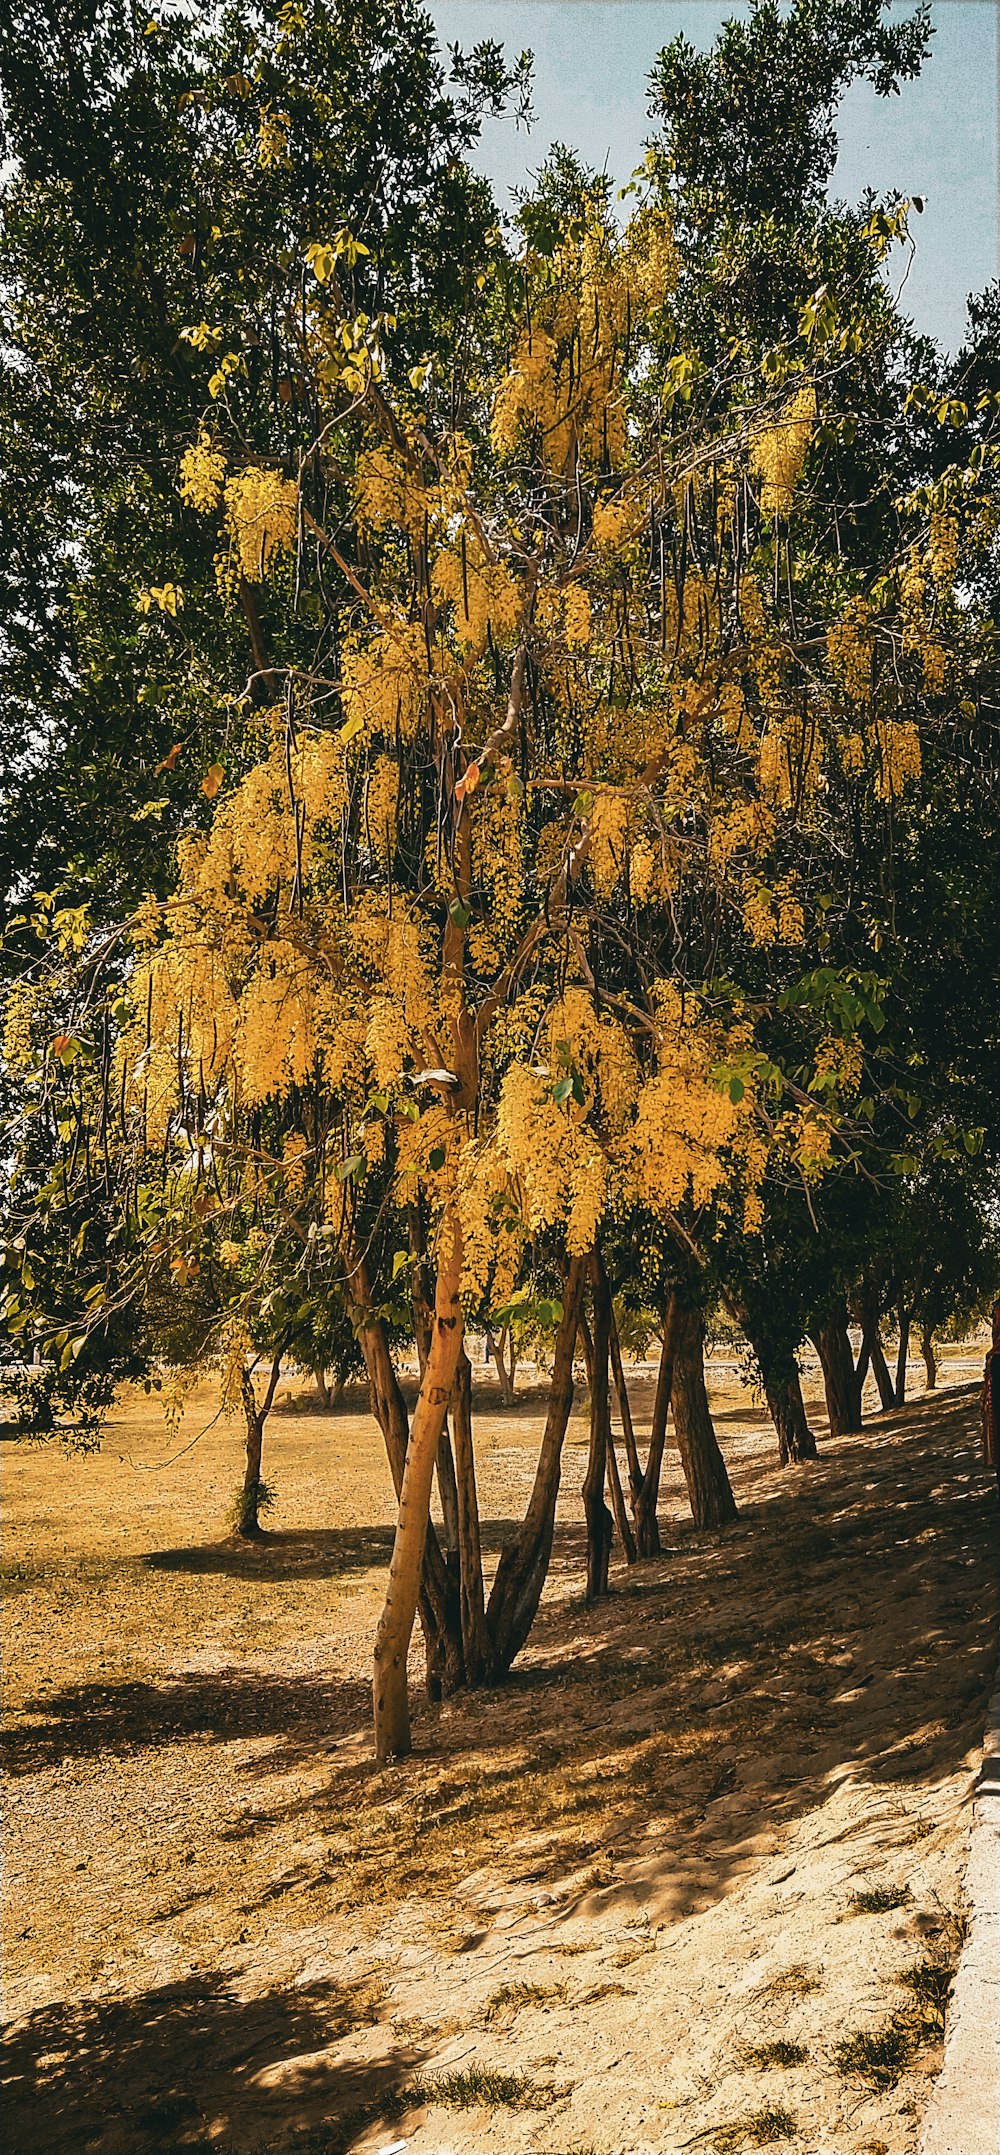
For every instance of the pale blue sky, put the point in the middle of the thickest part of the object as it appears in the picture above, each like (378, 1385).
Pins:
(939, 139)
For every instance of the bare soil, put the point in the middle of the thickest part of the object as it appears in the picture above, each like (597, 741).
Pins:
(723, 1811)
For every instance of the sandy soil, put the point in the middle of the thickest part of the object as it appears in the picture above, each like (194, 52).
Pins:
(723, 1811)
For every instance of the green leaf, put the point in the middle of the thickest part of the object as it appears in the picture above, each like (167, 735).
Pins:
(400, 1260)
(736, 1090)
(436, 1158)
(346, 1168)
(562, 1090)
(459, 913)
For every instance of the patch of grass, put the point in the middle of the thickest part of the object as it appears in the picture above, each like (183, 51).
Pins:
(795, 1982)
(779, 2053)
(930, 1982)
(512, 1996)
(604, 1990)
(480, 2086)
(757, 2129)
(878, 2056)
(878, 1900)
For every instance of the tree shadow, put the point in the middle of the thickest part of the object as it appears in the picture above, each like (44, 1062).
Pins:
(844, 1627)
(118, 1720)
(300, 1552)
(194, 2064)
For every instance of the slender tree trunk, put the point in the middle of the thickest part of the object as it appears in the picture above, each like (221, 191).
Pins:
(647, 1531)
(447, 1492)
(598, 1517)
(708, 1485)
(390, 1695)
(248, 1525)
(473, 1618)
(930, 1358)
(617, 1495)
(322, 1387)
(625, 1410)
(438, 1606)
(783, 1392)
(524, 1562)
(880, 1368)
(899, 1396)
(494, 1347)
(833, 1345)
(872, 1354)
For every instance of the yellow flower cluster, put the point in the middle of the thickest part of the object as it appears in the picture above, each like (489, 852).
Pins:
(262, 515)
(384, 681)
(790, 760)
(381, 802)
(898, 745)
(839, 1060)
(483, 595)
(942, 549)
(203, 471)
(683, 1123)
(552, 1157)
(608, 822)
(778, 451)
(849, 647)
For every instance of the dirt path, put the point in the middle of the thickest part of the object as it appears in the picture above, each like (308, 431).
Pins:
(722, 1812)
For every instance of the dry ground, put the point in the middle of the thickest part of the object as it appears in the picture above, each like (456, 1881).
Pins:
(689, 1850)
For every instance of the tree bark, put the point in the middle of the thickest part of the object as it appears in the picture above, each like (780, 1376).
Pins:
(494, 1348)
(473, 1616)
(779, 1375)
(832, 1343)
(322, 1387)
(647, 1531)
(625, 1534)
(930, 1358)
(248, 1525)
(390, 1696)
(899, 1393)
(447, 1492)
(708, 1485)
(438, 1605)
(524, 1562)
(783, 1392)
(596, 1513)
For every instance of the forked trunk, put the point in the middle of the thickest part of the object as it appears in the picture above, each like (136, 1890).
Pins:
(617, 1495)
(930, 1358)
(390, 1696)
(495, 1349)
(322, 1387)
(524, 1562)
(708, 1485)
(833, 1345)
(473, 1618)
(899, 1396)
(647, 1531)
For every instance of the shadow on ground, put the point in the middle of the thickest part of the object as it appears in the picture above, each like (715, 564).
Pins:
(192, 2065)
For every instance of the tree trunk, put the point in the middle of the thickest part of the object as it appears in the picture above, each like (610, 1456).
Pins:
(248, 1525)
(899, 1394)
(647, 1531)
(833, 1345)
(625, 1534)
(783, 1392)
(708, 1485)
(438, 1606)
(596, 1513)
(930, 1358)
(524, 1562)
(473, 1618)
(625, 1410)
(494, 1347)
(447, 1492)
(390, 1697)
(322, 1387)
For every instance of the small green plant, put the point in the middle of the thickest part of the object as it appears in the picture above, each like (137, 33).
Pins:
(779, 2053)
(237, 1514)
(512, 1996)
(758, 2129)
(930, 1981)
(878, 2056)
(877, 1900)
(479, 2086)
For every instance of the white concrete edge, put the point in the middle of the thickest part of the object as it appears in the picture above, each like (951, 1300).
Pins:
(963, 2115)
